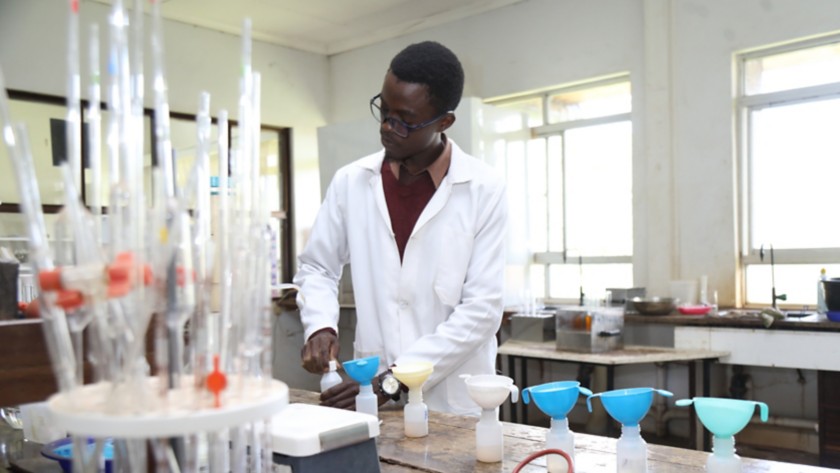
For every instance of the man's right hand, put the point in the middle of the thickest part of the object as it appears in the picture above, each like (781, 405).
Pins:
(321, 347)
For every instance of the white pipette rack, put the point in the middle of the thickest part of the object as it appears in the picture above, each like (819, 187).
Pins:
(90, 409)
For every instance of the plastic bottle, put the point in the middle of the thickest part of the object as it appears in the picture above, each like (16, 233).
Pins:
(822, 308)
(560, 437)
(331, 377)
(631, 451)
(723, 458)
(489, 442)
(366, 400)
(416, 415)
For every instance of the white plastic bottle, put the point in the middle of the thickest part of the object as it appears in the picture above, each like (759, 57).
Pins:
(822, 308)
(631, 451)
(366, 400)
(331, 377)
(416, 415)
(559, 437)
(489, 442)
(723, 458)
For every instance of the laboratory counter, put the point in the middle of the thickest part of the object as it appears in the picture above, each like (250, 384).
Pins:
(732, 319)
(450, 448)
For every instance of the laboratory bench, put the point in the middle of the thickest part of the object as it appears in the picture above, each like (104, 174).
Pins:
(818, 323)
(450, 448)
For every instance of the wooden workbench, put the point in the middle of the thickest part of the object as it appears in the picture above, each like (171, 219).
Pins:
(450, 448)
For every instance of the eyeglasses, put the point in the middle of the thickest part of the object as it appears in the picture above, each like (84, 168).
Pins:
(401, 128)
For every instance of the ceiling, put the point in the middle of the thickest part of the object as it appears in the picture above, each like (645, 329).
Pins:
(323, 26)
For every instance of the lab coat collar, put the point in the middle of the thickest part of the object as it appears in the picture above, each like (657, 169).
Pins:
(458, 168)
(458, 173)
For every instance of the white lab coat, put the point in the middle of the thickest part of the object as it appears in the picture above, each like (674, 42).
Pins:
(444, 303)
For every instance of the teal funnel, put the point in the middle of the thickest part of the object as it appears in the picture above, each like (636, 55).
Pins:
(627, 406)
(555, 399)
(362, 370)
(725, 417)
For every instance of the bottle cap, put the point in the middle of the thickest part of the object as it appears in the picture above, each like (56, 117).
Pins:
(333, 365)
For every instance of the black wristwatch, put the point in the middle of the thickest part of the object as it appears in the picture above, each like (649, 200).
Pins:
(389, 385)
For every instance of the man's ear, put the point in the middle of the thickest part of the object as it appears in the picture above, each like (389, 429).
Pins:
(446, 122)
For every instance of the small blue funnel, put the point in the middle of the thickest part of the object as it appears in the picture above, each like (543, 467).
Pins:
(725, 417)
(555, 399)
(362, 370)
(627, 406)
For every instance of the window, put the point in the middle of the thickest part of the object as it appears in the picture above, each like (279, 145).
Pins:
(567, 156)
(788, 103)
(40, 112)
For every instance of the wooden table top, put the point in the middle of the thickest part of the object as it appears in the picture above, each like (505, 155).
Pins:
(628, 355)
(450, 448)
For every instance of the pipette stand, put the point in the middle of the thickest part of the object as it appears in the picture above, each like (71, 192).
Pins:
(91, 409)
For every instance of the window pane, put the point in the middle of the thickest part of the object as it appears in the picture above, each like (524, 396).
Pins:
(566, 279)
(517, 192)
(794, 169)
(599, 219)
(555, 193)
(531, 107)
(589, 103)
(793, 70)
(797, 281)
(538, 207)
(37, 116)
(105, 178)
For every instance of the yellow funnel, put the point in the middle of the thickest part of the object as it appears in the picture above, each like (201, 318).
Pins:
(413, 374)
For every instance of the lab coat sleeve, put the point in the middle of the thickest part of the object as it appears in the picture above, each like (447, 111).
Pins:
(478, 315)
(321, 263)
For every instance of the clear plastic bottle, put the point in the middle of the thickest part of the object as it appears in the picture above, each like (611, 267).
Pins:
(723, 458)
(489, 441)
(822, 308)
(560, 437)
(366, 400)
(416, 415)
(631, 451)
(331, 377)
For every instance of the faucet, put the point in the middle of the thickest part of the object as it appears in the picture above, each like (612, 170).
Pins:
(775, 297)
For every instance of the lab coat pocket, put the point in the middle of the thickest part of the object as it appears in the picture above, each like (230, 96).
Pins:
(454, 259)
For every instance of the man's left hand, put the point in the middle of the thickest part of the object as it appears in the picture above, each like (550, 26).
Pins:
(342, 395)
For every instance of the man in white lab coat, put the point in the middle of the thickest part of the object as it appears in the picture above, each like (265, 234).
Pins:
(422, 225)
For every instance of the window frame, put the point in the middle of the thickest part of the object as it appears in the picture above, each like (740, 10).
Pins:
(547, 130)
(744, 106)
(284, 153)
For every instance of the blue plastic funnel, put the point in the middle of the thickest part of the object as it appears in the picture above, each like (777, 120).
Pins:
(627, 406)
(725, 417)
(555, 399)
(362, 370)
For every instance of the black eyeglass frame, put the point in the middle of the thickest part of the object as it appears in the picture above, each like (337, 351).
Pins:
(396, 123)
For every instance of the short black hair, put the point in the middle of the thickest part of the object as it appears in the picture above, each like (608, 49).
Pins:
(435, 66)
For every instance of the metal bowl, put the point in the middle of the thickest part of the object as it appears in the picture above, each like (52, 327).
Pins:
(655, 305)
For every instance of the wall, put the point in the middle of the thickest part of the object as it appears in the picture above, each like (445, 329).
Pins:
(295, 89)
(680, 58)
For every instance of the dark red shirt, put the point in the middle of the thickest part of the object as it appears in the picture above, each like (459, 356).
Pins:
(406, 202)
